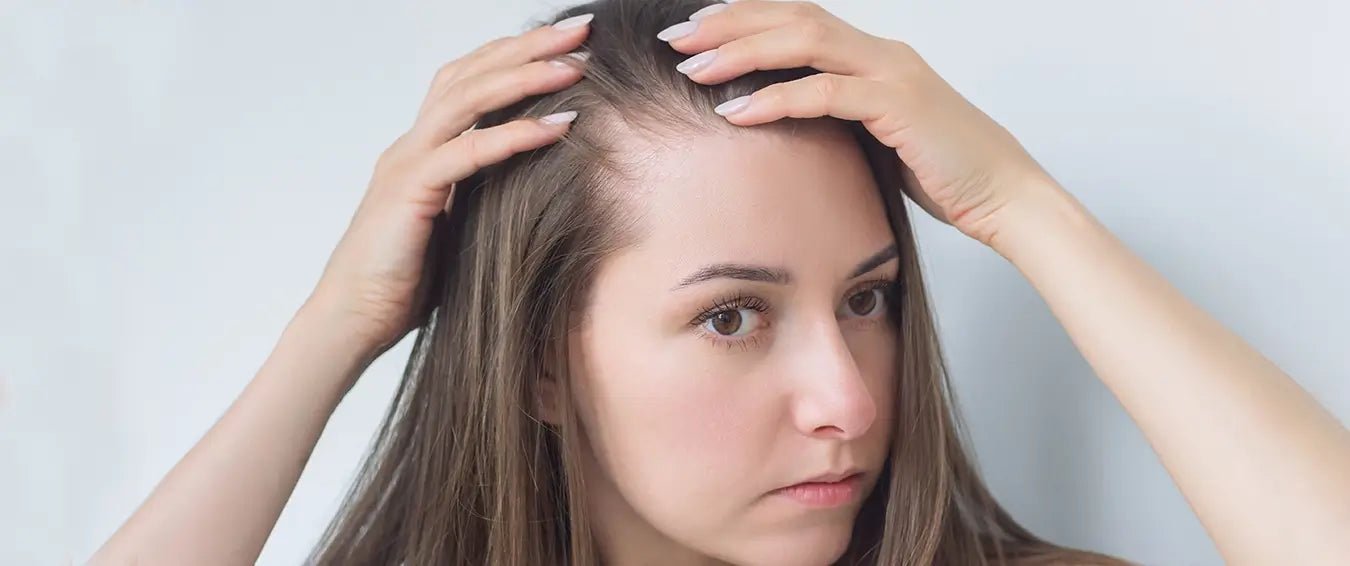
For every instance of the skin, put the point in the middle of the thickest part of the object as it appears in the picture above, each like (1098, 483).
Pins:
(1261, 463)
(674, 410)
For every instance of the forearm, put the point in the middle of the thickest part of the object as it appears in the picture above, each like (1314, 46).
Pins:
(1264, 466)
(220, 502)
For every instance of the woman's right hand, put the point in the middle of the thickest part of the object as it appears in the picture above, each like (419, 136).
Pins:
(220, 502)
(373, 283)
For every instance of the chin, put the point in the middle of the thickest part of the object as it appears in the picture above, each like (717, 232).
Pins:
(806, 545)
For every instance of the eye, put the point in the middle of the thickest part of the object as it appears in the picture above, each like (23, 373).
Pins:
(732, 323)
(869, 302)
(737, 321)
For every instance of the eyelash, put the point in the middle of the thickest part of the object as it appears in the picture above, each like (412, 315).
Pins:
(730, 304)
(889, 287)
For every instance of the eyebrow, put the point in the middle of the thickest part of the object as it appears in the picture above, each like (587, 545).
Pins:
(776, 275)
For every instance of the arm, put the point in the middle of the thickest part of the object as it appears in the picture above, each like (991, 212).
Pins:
(218, 504)
(1264, 466)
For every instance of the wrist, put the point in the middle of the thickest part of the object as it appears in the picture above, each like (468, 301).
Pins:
(334, 321)
(1046, 213)
(341, 352)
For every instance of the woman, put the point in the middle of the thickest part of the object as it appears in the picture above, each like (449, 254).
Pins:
(694, 329)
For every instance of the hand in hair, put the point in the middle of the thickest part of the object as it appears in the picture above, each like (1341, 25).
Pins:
(375, 284)
(964, 168)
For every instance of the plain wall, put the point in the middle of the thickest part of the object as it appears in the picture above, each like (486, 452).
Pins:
(174, 176)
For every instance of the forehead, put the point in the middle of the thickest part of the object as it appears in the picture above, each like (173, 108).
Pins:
(803, 198)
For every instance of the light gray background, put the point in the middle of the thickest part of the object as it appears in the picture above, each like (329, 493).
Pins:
(176, 173)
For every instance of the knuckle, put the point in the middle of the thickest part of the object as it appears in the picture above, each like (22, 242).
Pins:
(772, 96)
(806, 9)
(825, 86)
(811, 31)
(495, 45)
(520, 79)
(445, 74)
(905, 61)
(385, 161)
(482, 146)
(735, 53)
(902, 46)
(456, 94)
(471, 145)
(462, 96)
(474, 153)
(903, 50)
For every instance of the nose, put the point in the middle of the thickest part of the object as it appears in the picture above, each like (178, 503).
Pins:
(831, 398)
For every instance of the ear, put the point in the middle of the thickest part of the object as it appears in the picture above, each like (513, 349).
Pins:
(546, 402)
(549, 388)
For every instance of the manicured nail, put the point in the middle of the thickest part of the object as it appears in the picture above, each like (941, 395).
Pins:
(707, 11)
(559, 118)
(561, 60)
(733, 106)
(693, 64)
(677, 31)
(574, 21)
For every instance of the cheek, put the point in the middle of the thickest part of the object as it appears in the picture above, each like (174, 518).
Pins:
(671, 424)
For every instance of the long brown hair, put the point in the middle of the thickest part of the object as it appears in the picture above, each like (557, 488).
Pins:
(462, 472)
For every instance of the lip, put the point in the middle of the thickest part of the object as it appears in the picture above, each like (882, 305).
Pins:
(826, 490)
(833, 477)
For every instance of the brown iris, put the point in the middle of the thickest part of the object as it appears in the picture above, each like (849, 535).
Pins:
(863, 303)
(727, 322)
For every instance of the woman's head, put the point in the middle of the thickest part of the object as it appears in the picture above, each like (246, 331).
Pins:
(646, 328)
(742, 341)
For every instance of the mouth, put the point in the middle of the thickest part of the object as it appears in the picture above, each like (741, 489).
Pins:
(833, 491)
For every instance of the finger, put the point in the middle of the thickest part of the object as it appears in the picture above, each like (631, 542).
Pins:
(850, 98)
(538, 44)
(714, 26)
(475, 149)
(465, 102)
(875, 104)
(802, 43)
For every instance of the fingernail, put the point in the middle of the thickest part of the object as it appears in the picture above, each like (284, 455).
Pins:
(733, 106)
(561, 60)
(559, 118)
(696, 62)
(574, 21)
(707, 11)
(677, 31)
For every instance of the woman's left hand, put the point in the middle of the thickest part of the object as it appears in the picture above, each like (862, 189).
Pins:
(968, 170)
(1227, 423)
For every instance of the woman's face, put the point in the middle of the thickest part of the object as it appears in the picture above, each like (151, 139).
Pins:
(741, 345)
